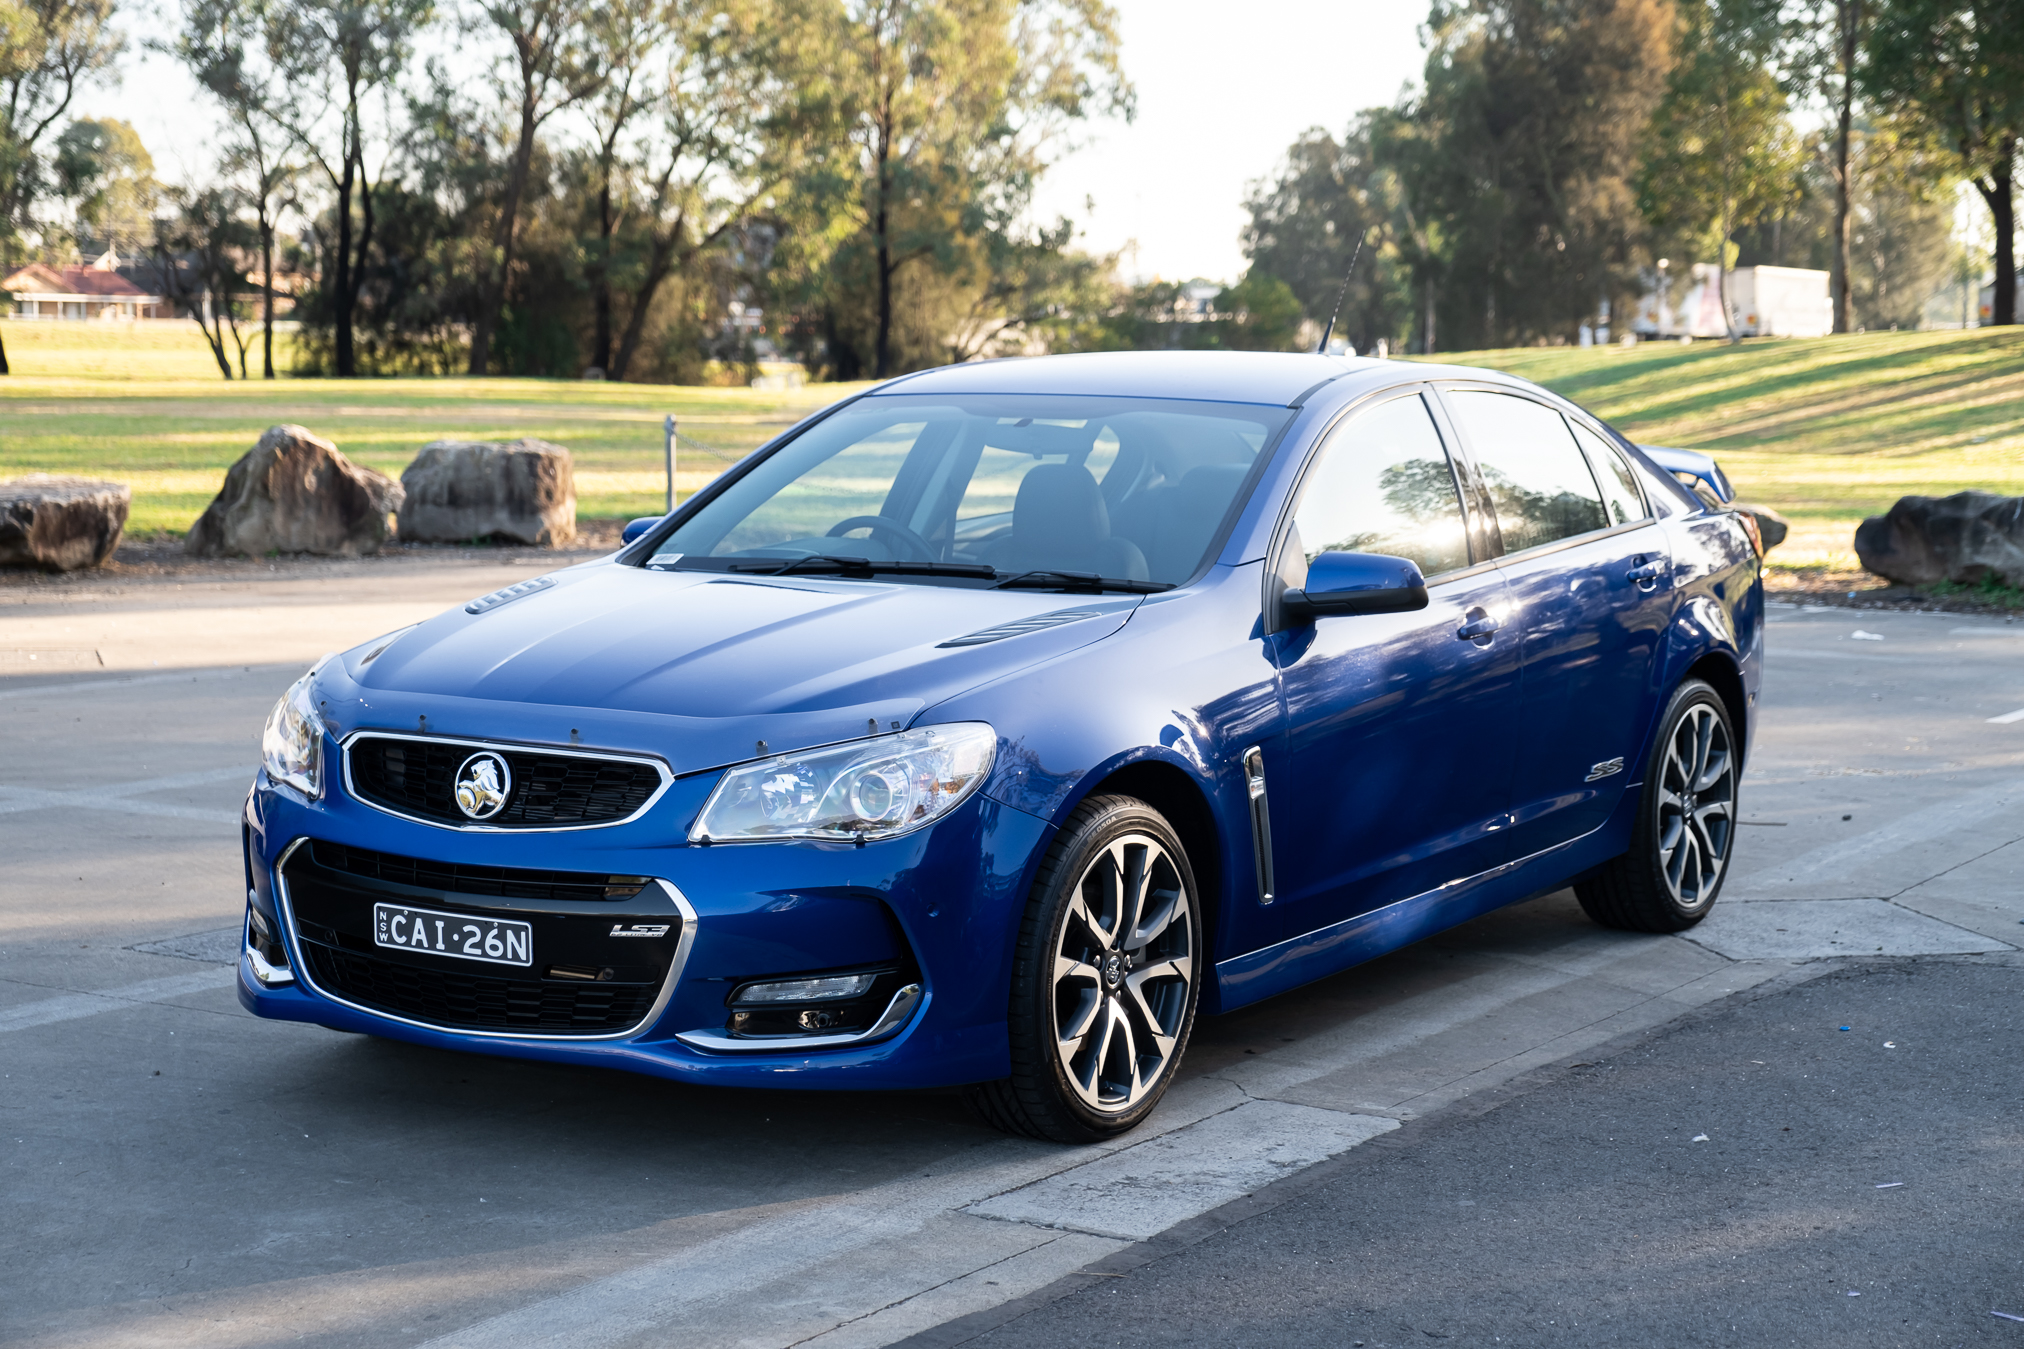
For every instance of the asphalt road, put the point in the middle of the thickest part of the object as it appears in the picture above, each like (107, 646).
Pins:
(179, 1173)
(1837, 1163)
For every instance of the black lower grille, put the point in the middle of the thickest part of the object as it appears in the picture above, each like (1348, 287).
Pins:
(478, 1001)
(549, 790)
(465, 879)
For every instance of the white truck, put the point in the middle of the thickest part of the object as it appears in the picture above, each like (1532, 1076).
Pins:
(1765, 302)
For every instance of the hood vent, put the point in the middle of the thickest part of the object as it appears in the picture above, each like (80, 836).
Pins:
(1021, 627)
(486, 603)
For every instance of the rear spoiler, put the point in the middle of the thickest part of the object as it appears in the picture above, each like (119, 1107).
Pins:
(1692, 464)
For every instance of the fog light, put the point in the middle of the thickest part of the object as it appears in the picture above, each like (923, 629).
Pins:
(806, 990)
(816, 1019)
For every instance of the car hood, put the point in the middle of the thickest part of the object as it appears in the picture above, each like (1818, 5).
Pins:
(702, 668)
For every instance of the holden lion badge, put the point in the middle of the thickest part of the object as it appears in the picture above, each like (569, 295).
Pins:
(482, 785)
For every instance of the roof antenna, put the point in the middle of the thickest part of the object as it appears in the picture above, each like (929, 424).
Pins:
(1329, 331)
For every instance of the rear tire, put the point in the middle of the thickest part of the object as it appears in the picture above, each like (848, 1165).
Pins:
(1686, 823)
(1104, 979)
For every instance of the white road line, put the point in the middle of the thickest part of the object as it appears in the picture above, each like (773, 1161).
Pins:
(2007, 718)
(115, 796)
(179, 677)
(71, 1006)
(1921, 826)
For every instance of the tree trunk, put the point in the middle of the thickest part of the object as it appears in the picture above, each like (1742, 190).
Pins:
(882, 220)
(3, 358)
(1849, 15)
(659, 264)
(1427, 333)
(2003, 210)
(493, 302)
(341, 297)
(266, 295)
(600, 291)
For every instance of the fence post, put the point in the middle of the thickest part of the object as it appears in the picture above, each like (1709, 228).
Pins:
(668, 449)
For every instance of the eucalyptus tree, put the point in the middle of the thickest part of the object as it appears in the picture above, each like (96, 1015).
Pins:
(221, 42)
(553, 64)
(1722, 150)
(1958, 65)
(50, 50)
(946, 113)
(333, 61)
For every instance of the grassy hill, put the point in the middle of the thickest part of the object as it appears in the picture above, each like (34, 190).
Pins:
(1827, 431)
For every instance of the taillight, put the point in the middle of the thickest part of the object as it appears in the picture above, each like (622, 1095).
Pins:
(1750, 528)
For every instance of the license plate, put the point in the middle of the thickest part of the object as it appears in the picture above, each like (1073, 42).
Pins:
(498, 941)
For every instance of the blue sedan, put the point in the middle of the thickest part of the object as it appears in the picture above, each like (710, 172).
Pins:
(987, 727)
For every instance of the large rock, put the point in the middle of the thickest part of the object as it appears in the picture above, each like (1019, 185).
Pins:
(1967, 537)
(61, 524)
(294, 493)
(521, 491)
(1771, 526)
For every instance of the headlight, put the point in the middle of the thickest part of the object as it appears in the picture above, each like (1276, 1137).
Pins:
(292, 745)
(868, 790)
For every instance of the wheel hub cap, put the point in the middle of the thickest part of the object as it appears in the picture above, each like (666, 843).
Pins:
(1123, 970)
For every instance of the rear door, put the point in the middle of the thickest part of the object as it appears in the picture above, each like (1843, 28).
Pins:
(1591, 591)
(1394, 775)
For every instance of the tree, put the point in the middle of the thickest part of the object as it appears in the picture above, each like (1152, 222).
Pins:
(196, 262)
(947, 111)
(1960, 68)
(49, 51)
(220, 44)
(332, 60)
(1829, 36)
(552, 67)
(1722, 151)
(103, 168)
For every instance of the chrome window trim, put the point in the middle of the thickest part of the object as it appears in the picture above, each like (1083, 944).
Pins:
(666, 775)
(894, 1018)
(660, 1005)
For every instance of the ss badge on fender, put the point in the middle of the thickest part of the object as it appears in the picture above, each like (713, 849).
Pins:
(1608, 768)
(640, 930)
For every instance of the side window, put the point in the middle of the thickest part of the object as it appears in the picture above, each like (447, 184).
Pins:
(1539, 483)
(1619, 486)
(1382, 484)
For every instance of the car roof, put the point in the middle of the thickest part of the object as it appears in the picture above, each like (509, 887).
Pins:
(1271, 377)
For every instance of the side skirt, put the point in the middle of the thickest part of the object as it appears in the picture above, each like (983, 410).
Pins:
(1260, 974)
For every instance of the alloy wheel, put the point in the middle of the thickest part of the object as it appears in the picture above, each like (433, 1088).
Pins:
(1123, 970)
(1697, 807)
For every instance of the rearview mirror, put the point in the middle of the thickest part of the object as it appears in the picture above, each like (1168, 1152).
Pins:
(635, 528)
(1356, 583)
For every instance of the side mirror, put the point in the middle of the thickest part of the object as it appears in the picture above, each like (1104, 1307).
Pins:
(635, 528)
(1356, 583)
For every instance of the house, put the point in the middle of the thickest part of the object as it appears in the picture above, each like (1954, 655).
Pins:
(93, 291)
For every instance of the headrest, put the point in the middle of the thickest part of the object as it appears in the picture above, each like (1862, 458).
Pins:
(1058, 518)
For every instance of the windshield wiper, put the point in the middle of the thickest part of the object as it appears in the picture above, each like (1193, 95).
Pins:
(835, 564)
(1079, 580)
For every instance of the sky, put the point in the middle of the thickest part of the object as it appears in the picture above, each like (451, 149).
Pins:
(1223, 88)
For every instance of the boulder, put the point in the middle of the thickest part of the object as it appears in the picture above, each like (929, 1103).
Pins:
(295, 493)
(61, 524)
(1968, 537)
(1771, 526)
(521, 491)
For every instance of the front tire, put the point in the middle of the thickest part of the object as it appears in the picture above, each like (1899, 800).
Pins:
(1686, 823)
(1104, 979)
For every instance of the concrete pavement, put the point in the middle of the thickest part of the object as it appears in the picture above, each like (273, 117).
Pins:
(181, 1173)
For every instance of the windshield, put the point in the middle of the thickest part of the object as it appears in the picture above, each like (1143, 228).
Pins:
(1005, 489)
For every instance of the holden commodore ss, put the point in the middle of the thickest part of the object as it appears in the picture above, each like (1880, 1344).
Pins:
(987, 727)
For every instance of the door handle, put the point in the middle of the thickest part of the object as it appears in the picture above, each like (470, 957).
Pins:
(1648, 574)
(1478, 629)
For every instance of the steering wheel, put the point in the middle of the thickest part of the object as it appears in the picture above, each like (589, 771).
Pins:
(880, 524)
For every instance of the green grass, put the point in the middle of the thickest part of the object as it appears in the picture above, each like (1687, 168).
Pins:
(143, 404)
(1826, 430)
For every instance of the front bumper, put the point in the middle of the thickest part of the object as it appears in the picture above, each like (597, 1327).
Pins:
(939, 909)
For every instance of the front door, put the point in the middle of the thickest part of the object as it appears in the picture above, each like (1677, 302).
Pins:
(1394, 775)
(1591, 595)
